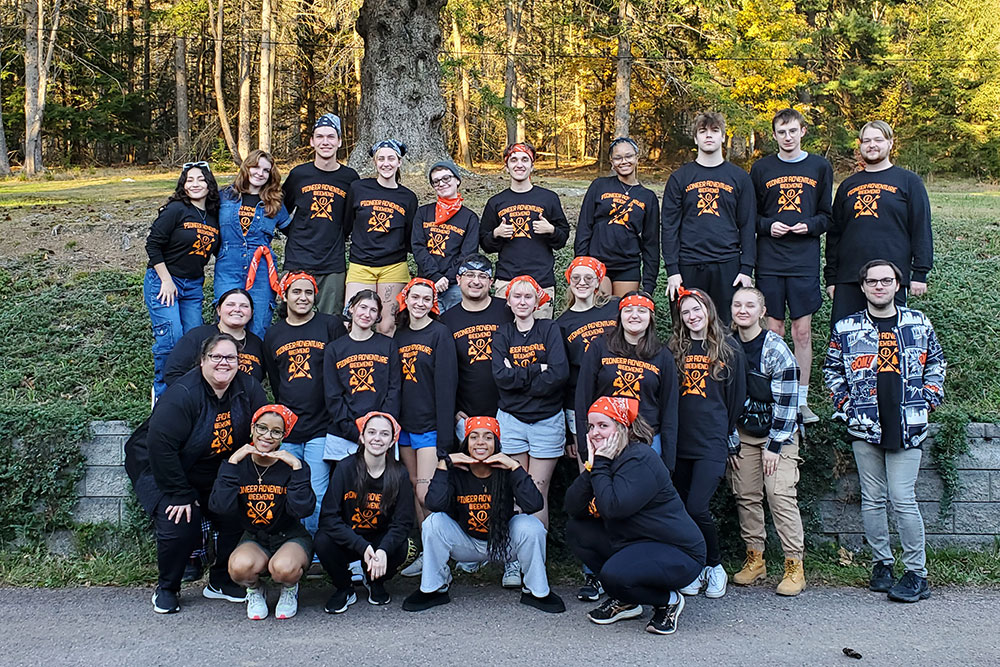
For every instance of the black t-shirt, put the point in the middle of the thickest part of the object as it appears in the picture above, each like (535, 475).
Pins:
(438, 249)
(889, 385)
(317, 231)
(526, 391)
(430, 375)
(381, 222)
(248, 207)
(579, 328)
(473, 334)
(360, 376)
(264, 500)
(186, 352)
(708, 408)
(467, 499)
(753, 349)
(182, 237)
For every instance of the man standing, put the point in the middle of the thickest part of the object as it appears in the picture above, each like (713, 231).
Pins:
(708, 218)
(794, 189)
(881, 212)
(317, 191)
(885, 369)
(524, 224)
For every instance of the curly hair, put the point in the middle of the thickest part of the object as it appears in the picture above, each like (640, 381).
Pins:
(211, 201)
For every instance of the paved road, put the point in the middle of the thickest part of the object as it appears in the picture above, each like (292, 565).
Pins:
(487, 626)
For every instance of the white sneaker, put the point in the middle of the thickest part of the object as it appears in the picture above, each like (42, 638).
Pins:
(717, 579)
(357, 574)
(695, 586)
(257, 603)
(511, 575)
(469, 566)
(288, 603)
(415, 568)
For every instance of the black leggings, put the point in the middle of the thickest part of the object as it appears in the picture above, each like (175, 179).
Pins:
(589, 542)
(696, 481)
(336, 558)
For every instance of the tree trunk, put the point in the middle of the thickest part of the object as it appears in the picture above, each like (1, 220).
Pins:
(461, 99)
(4, 158)
(265, 88)
(512, 19)
(36, 71)
(623, 73)
(181, 92)
(220, 100)
(307, 71)
(400, 80)
(147, 120)
(245, 72)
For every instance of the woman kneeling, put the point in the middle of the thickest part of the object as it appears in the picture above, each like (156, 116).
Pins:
(471, 499)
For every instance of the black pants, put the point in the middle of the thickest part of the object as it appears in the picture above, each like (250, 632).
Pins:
(647, 572)
(589, 542)
(716, 280)
(336, 558)
(696, 481)
(849, 299)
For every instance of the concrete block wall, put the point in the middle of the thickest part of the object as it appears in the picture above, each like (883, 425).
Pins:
(104, 489)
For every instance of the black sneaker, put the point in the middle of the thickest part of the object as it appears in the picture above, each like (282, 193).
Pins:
(550, 604)
(664, 621)
(341, 599)
(226, 591)
(882, 579)
(165, 602)
(591, 591)
(193, 571)
(911, 587)
(612, 610)
(377, 594)
(420, 601)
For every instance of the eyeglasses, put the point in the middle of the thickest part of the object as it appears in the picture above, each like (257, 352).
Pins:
(623, 158)
(475, 275)
(262, 430)
(583, 280)
(884, 282)
(200, 163)
(223, 358)
(444, 180)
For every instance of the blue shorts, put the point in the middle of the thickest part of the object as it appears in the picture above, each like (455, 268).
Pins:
(802, 294)
(337, 448)
(545, 439)
(418, 440)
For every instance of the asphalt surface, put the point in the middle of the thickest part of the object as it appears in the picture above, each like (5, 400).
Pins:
(487, 626)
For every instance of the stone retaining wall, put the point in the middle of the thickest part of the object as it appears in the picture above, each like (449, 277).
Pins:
(105, 487)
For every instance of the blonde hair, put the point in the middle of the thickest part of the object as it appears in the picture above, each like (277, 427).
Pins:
(760, 299)
(879, 125)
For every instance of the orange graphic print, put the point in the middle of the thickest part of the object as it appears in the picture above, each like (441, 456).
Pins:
(436, 241)
(246, 217)
(260, 512)
(203, 244)
(523, 355)
(248, 362)
(480, 350)
(522, 226)
(708, 202)
(479, 505)
(696, 368)
(321, 207)
(888, 353)
(409, 369)
(379, 222)
(592, 509)
(362, 379)
(298, 366)
(790, 199)
(367, 517)
(261, 501)
(627, 383)
(866, 204)
(222, 433)
(621, 212)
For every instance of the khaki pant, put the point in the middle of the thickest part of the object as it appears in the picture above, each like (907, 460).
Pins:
(543, 313)
(749, 486)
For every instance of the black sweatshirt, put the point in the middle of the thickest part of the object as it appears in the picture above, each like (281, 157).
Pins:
(380, 222)
(467, 499)
(190, 432)
(526, 253)
(619, 224)
(653, 383)
(579, 329)
(430, 375)
(880, 215)
(187, 352)
(526, 391)
(637, 501)
(182, 237)
(709, 215)
(791, 192)
(294, 363)
(708, 409)
(360, 376)
(373, 524)
(438, 250)
(273, 505)
(317, 230)
(473, 333)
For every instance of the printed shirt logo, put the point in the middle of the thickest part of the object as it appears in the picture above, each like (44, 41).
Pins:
(260, 501)
(521, 216)
(246, 217)
(479, 505)
(206, 234)
(222, 433)
(696, 368)
(588, 332)
(790, 190)
(867, 197)
(382, 214)
(708, 202)
(480, 341)
(299, 357)
(366, 518)
(522, 355)
(790, 199)
(323, 197)
(408, 359)
(622, 207)
(888, 353)
(708, 195)
(627, 383)
(436, 241)
(248, 363)
(361, 370)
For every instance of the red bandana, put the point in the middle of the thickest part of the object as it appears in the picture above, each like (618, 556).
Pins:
(489, 423)
(542, 295)
(622, 410)
(638, 300)
(519, 148)
(682, 292)
(361, 422)
(272, 272)
(446, 208)
(401, 297)
(290, 278)
(286, 415)
(595, 265)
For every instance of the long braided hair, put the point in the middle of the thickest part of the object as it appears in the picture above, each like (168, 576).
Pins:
(501, 509)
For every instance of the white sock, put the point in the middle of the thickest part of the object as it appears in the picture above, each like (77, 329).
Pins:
(675, 597)
(803, 394)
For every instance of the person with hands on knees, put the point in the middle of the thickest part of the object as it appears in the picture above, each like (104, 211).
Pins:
(472, 497)
(627, 521)
(367, 515)
(268, 490)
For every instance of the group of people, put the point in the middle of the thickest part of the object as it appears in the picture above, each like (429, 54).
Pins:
(427, 406)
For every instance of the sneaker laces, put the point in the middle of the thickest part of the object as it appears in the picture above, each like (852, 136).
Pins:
(791, 568)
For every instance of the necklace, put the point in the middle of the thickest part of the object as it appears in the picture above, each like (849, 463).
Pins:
(626, 190)
(260, 473)
(203, 214)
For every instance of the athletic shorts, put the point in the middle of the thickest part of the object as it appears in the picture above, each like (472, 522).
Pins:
(375, 275)
(418, 440)
(802, 294)
(629, 275)
(545, 439)
(271, 542)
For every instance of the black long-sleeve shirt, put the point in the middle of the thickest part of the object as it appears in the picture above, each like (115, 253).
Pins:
(380, 221)
(620, 225)
(708, 215)
(467, 498)
(294, 362)
(473, 333)
(182, 237)
(791, 192)
(272, 504)
(438, 250)
(430, 375)
(525, 390)
(653, 383)
(360, 376)
(187, 352)
(880, 215)
(356, 525)
(579, 328)
(318, 228)
(708, 409)
(526, 253)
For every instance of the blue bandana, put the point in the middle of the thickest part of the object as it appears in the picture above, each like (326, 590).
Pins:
(328, 120)
(398, 146)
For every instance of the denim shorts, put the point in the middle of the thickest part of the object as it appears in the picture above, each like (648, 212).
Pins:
(271, 542)
(337, 448)
(545, 439)
(570, 420)
(418, 440)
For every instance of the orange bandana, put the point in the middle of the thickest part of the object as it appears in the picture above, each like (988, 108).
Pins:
(519, 148)
(361, 422)
(622, 410)
(290, 278)
(638, 300)
(286, 415)
(272, 272)
(682, 292)
(445, 209)
(542, 295)
(595, 265)
(489, 423)
(401, 297)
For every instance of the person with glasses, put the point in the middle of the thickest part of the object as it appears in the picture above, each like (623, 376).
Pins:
(173, 459)
(881, 212)
(885, 370)
(181, 240)
(620, 224)
(266, 489)
(443, 233)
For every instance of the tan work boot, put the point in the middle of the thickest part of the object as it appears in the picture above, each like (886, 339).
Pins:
(794, 580)
(754, 569)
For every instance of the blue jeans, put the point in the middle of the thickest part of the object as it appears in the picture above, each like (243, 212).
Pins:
(449, 298)
(319, 473)
(170, 322)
